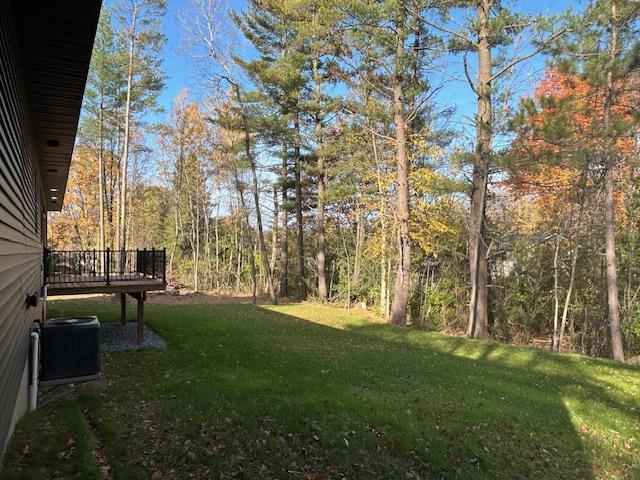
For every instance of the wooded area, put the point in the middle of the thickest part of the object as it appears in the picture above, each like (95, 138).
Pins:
(325, 160)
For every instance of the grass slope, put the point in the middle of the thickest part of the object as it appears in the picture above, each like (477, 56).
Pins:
(301, 391)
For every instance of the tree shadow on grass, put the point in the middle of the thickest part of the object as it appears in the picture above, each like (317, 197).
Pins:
(244, 388)
(514, 410)
(410, 407)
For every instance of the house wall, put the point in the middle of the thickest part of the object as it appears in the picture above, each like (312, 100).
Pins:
(21, 231)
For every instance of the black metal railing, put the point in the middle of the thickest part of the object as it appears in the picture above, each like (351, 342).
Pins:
(103, 266)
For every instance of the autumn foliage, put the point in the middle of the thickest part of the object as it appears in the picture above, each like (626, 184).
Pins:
(558, 145)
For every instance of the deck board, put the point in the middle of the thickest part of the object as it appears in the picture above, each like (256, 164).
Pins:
(84, 284)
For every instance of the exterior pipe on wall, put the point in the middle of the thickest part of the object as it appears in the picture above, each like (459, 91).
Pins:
(33, 385)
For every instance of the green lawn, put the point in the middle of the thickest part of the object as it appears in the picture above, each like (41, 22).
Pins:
(302, 391)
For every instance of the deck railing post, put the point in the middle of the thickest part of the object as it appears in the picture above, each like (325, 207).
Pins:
(76, 267)
(144, 262)
(107, 255)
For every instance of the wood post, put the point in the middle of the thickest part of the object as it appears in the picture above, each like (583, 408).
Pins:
(107, 265)
(141, 297)
(123, 308)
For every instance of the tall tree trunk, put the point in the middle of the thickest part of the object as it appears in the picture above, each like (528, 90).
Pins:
(274, 234)
(479, 299)
(384, 309)
(320, 230)
(110, 194)
(403, 267)
(254, 270)
(259, 266)
(196, 273)
(239, 241)
(101, 187)
(217, 239)
(302, 285)
(207, 244)
(256, 199)
(176, 207)
(196, 261)
(360, 230)
(284, 248)
(387, 293)
(321, 254)
(556, 294)
(567, 298)
(284, 172)
(174, 246)
(122, 220)
(609, 203)
(194, 238)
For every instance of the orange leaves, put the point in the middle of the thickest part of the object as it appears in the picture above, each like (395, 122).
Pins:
(76, 226)
(561, 147)
(189, 130)
(559, 85)
(564, 111)
(547, 182)
(566, 115)
(554, 138)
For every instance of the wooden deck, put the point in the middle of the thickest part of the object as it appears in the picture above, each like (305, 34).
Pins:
(83, 284)
(126, 272)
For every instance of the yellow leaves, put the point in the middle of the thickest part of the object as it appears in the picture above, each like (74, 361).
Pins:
(430, 222)
(77, 224)
(189, 130)
(432, 225)
(424, 181)
(421, 146)
(422, 175)
(375, 242)
(384, 180)
(527, 214)
(441, 227)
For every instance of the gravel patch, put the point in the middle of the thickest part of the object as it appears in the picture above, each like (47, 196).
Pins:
(115, 337)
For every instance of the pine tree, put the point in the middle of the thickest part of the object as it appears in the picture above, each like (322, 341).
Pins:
(278, 74)
(381, 53)
(490, 30)
(138, 30)
(102, 100)
(318, 28)
(202, 30)
(603, 46)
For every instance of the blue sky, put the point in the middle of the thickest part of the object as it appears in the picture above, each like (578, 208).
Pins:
(180, 69)
(181, 72)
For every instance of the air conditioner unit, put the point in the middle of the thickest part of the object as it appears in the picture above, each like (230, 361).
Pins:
(70, 350)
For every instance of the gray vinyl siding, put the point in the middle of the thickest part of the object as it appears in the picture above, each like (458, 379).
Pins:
(21, 225)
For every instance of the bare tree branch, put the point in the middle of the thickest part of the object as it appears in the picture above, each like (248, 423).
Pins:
(518, 60)
(466, 74)
(458, 35)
